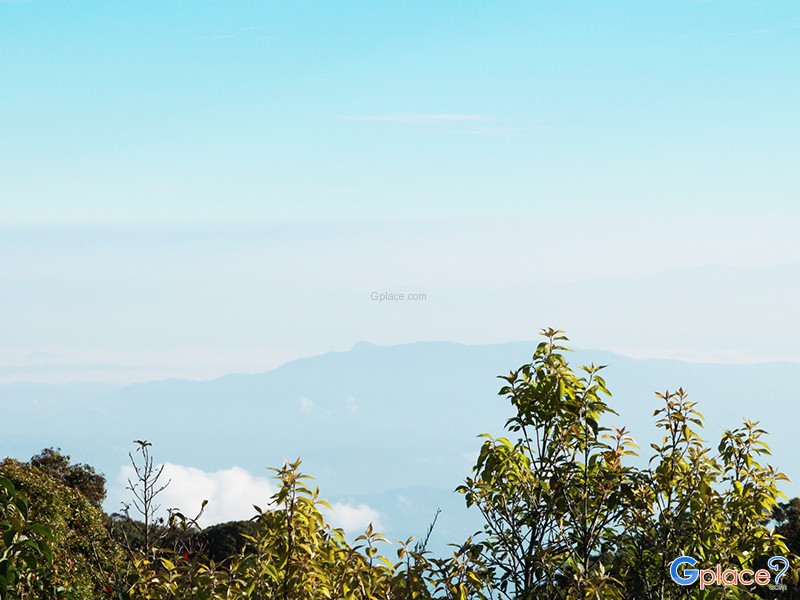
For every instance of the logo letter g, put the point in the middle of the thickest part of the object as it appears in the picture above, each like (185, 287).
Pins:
(689, 576)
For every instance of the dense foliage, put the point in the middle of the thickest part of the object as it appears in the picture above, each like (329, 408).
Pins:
(56, 537)
(81, 477)
(567, 516)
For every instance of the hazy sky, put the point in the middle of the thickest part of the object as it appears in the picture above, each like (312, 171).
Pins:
(191, 188)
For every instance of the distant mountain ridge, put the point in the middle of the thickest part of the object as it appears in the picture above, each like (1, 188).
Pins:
(374, 418)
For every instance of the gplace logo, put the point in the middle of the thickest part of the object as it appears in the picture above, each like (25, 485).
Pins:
(683, 572)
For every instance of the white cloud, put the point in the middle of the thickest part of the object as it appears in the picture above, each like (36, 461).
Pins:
(69, 363)
(231, 493)
(306, 405)
(417, 119)
(354, 518)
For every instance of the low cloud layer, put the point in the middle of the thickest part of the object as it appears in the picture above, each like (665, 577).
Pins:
(354, 518)
(231, 494)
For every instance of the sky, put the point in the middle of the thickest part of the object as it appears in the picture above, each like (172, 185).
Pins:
(195, 188)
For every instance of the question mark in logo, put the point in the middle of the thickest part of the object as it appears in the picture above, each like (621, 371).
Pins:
(774, 564)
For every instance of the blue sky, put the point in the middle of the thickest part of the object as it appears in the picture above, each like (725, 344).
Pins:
(193, 188)
(241, 111)
(190, 188)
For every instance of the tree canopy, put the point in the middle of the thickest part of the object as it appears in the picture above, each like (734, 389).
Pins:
(567, 516)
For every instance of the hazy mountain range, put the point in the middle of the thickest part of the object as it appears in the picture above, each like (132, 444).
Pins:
(128, 322)
(391, 428)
